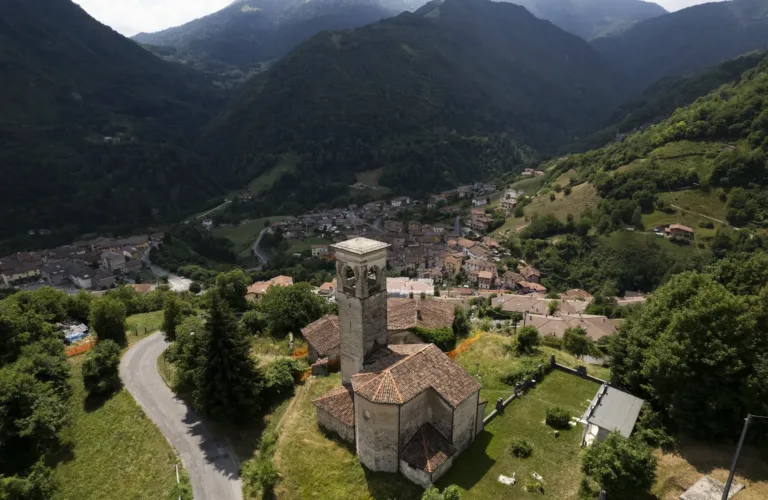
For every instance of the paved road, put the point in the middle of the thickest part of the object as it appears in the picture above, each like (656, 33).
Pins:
(258, 252)
(226, 202)
(211, 463)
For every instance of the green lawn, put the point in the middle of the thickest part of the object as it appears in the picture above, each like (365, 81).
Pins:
(493, 358)
(298, 246)
(557, 460)
(695, 200)
(116, 451)
(370, 177)
(582, 196)
(245, 234)
(286, 165)
(139, 325)
(529, 186)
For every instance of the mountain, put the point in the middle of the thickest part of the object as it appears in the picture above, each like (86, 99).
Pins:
(451, 93)
(246, 34)
(68, 82)
(592, 18)
(688, 40)
(662, 98)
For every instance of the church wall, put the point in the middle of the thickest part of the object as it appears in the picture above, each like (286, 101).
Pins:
(422, 478)
(426, 407)
(464, 422)
(361, 321)
(377, 434)
(333, 424)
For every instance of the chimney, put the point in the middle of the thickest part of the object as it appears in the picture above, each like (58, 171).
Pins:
(418, 314)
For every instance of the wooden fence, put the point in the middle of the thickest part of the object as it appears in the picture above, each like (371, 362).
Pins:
(74, 350)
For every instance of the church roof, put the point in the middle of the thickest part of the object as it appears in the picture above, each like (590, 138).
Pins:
(415, 370)
(339, 402)
(403, 314)
(427, 450)
(324, 334)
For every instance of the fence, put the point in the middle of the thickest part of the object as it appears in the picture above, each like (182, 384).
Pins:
(74, 350)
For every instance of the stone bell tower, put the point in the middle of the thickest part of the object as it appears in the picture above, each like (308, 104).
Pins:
(361, 292)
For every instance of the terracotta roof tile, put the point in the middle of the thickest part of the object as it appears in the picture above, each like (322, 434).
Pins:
(403, 314)
(340, 403)
(324, 334)
(427, 368)
(427, 450)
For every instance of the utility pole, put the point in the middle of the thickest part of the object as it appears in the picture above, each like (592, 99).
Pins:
(727, 488)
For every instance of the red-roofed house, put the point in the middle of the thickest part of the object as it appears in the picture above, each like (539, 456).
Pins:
(256, 290)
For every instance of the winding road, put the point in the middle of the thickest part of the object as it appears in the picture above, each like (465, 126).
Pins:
(211, 463)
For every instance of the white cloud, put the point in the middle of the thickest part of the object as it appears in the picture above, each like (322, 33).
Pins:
(132, 16)
(673, 5)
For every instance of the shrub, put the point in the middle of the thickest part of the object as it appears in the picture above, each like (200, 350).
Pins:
(567, 190)
(443, 338)
(558, 418)
(707, 224)
(527, 339)
(624, 468)
(520, 372)
(552, 341)
(101, 368)
(534, 487)
(279, 376)
(452, 492)
(195, 287)
(521, 448)
(260, 474)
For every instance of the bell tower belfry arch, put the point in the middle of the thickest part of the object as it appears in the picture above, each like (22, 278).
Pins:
(361, 292)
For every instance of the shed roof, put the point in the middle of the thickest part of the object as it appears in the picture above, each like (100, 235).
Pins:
(339, 402)
(614, 410)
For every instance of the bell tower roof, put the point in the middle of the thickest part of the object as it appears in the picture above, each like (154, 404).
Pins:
(360, 246)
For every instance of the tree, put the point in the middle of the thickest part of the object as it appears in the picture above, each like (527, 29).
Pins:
(171, 317)
(101, 368)
(576, 342)
(232, 287)
(696, 334)
(637, 218)
(253, 323)
(195, 287)
(79, 306)
(552, 307)
(624, 468)
(108, 320)
(228, 384)
(461, 325)
(515, 317)
(290, 308)
(527, 339)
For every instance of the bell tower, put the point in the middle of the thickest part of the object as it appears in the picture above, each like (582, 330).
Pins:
(361, 293)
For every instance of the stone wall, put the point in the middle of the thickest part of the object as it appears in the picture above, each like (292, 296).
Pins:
(377, 434)
(479, 423)
(426, 407)
(362, 322)
(422, 478)
(333, 424)
(464, 424)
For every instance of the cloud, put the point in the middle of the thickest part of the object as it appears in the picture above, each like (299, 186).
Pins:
(133, 16)
(673, 5)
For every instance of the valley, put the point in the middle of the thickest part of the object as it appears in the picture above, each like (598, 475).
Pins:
(384, 249)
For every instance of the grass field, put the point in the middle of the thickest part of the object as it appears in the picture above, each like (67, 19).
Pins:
(677, 471)
(298, 246)
(582, 196)
(287, 164)
(529, 186)
(245, 234)
(624, 239)
(370, 177)
(492, 356)
(139, 325)
(116, 451)
(313, 465)
(555, 459)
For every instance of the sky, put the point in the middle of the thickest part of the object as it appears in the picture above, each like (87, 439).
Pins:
(133, 16)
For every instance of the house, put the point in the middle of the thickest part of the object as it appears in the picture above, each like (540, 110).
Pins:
(479, 201)
(479, 265)
(259, 288)
(531, 274)
(327, 289)
(464, 191)
(405, 288)
(596, 327)
(451, 265)
(480, 222)
(509, 200)
(511, 279)
(460, 292)
(414, 227)
(435, 274)
(485, 280)
(208, 224)
(323, 339)
(479, 252)
(393, 226)
(400, 201)
(319, 251)
(113, 261)
(679, 232)
(103, 279)
(464, 244)
(14, 272)
(133, 266)
(611, 410)
(407, 408)
(404, 314)
(577, 294)
(81, 276)
(528, 287)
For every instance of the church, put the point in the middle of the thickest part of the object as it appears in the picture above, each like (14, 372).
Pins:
(408, 408)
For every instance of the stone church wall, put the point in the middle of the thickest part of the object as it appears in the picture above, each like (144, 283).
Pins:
(333, 424)
(377, 435)
(464, 422)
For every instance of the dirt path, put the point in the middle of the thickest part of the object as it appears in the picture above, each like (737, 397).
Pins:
(700, 214)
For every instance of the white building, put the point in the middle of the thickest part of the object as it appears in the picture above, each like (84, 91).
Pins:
(405, 288)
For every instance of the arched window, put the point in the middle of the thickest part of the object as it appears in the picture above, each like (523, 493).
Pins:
(349, 280)
(373, 279)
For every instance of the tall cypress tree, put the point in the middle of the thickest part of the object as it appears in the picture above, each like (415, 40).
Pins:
(228, 384)
(171, 316)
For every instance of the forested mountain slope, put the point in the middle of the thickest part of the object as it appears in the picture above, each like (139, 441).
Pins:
(687, 40)
(67, 83)
(451, 93)
(715, 150)
(237, 39)
(662, 98)
(593, 18)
